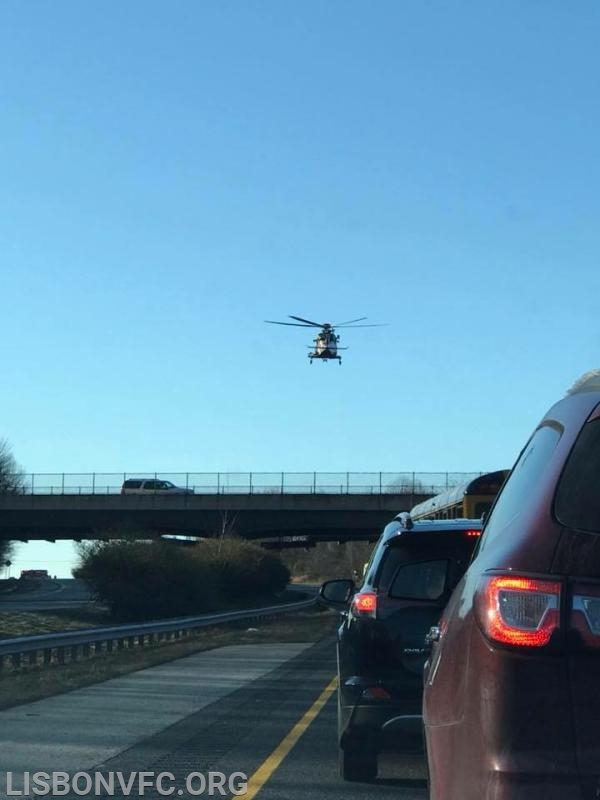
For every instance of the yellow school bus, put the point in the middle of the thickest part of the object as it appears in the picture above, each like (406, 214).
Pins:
(470, 501)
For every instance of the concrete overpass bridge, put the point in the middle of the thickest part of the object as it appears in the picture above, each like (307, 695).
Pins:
(321, 506)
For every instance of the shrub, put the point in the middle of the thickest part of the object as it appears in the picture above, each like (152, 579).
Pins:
(146, 580)
(141, 580)
(245, 570)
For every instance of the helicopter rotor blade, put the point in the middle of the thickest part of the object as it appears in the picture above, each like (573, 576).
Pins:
(307, 321)
(295, 324)
(348, 322)
(373, 325)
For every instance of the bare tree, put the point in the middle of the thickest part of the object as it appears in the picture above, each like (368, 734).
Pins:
(12, 481)
(6, 550)
(228, 524)
(12, 477)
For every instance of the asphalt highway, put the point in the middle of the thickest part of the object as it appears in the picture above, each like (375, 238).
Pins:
(70, 593)
(268, 711)
(309, 771)
(48, 595)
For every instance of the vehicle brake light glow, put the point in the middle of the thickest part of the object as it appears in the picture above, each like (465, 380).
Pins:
(472, 533)
(523, 612)
(365, 603)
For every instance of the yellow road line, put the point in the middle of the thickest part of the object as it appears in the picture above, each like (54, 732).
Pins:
(268, 767)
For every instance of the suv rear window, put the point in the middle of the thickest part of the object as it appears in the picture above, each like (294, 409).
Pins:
(577, 503)
(521, 482)
(425, 547)
(132, 484)
(424, 580)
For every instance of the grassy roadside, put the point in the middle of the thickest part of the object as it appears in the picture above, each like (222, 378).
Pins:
(30, 623)
(33, 683)
(93, 615)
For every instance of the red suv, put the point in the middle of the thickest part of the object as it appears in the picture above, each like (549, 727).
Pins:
(512, 686)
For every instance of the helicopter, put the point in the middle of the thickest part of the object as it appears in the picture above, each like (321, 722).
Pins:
(326, 341)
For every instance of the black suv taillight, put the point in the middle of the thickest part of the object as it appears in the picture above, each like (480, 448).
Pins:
(364, 604)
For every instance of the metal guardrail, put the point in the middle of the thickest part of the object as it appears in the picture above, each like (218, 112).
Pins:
(69, 645)
(248, 482)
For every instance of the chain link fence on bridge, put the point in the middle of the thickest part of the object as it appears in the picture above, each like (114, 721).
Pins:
(251, 482)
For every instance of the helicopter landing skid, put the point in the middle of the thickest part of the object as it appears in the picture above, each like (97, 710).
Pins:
(311, 357)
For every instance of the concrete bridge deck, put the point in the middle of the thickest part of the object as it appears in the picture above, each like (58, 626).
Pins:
(260, 516)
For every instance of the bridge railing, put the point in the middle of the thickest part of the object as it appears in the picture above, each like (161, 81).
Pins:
(250, 482)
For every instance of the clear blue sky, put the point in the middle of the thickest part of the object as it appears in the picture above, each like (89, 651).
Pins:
(172, 174)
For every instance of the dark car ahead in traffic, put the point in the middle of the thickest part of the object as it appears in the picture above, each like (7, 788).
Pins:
(512, 695)
(381, 642)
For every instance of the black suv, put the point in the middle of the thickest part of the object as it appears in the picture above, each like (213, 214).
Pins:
(381, 643)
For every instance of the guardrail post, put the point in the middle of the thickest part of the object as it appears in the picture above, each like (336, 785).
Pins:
(250, 481)
(33, 483)
(93, 483)
(314, 482)
(218, 483)
(347, 483)
(282, 482)
(62, 486)
(187, 480)
(380, 486)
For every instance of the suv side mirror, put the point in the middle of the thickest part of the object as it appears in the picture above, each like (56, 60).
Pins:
(337, 593)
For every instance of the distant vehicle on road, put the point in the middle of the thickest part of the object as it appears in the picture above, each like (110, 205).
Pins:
(511, 702)
(381, 642)
(34, 573)
(470, 500)
(152, 486)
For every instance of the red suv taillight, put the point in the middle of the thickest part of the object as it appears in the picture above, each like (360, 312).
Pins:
(364, 604)
(585, 613)
(518, 611)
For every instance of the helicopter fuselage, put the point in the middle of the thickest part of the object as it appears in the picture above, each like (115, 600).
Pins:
(325, 346)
